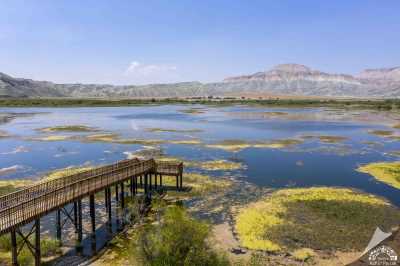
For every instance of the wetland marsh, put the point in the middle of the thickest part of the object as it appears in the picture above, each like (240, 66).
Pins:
(246, 157)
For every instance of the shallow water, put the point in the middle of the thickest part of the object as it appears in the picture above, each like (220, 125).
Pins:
(311, 163)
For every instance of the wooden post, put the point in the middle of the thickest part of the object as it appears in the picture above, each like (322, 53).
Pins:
(109, 205)
(145, 184)
(181, 180)
(80, 223)
(141, 181)
(160, 180)
(132, 187)
(155, 181)
(150, 182)
(58, 225)
(76, 216)
(136, 184)
(92, 215)
(122, 195)
(177, 182)
(14, 252)
(37, 242)
(116, 193)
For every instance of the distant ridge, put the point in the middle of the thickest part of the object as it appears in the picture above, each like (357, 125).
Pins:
(285, 79)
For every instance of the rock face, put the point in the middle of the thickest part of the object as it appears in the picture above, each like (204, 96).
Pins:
(285, 79)
(387, 74)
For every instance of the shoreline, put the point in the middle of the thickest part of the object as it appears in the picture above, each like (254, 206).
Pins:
(375, 104)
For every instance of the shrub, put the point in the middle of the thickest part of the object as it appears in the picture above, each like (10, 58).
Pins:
(177, 239)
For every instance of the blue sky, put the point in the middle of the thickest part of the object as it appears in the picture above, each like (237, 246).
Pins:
(136, 42)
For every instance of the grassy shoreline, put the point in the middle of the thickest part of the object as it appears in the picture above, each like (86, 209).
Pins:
(387, 104)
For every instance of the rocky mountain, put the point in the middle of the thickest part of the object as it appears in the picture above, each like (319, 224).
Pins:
(285, 79)
(19, 87)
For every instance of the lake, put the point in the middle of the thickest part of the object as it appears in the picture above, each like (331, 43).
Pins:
(329, 144)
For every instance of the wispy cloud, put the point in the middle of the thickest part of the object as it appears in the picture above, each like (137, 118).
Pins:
(138, 68)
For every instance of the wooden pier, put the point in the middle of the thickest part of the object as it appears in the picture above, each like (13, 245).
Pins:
(27, 206)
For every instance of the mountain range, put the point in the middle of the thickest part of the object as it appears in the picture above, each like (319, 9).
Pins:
(285, 79)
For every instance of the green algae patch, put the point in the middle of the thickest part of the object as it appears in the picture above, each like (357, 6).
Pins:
(156, 129)
(381, 133)
(316, 218)
(139, 141)
(278, 144)
(193, 111)
(326, 138)
(107, 137)
(238, 145)
(186, 142)
(115, 138)
(9, 186)
(386, 172)
(199, 184)
(52, 138)
(60, 173)
(221, 165)
(69, 128)
(230, 145)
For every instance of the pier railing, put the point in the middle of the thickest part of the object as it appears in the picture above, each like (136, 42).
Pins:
(26, 205)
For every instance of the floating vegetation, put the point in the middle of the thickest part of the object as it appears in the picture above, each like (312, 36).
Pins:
(139, 141)
(9, 186)
(259, 115)
(315, 218)
(188, 141)
(200, 184)
(194, 110)
(69, 128)
(386, 172)
(238, 145)
(52, 138)
(59, 173)
(156, 129)
(278, 144)
(115, 138)
(107, 137)
(326, 138)
(186, 163)
(230, 145)
(382, 133)
(221, 165)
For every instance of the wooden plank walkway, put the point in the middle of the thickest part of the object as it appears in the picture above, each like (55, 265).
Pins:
(24, 206)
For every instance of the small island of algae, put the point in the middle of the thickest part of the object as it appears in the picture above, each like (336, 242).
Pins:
(386, 172)
(318, 218)
(69, 128)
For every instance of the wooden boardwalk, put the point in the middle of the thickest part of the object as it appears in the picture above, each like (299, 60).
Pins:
(30, 204)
